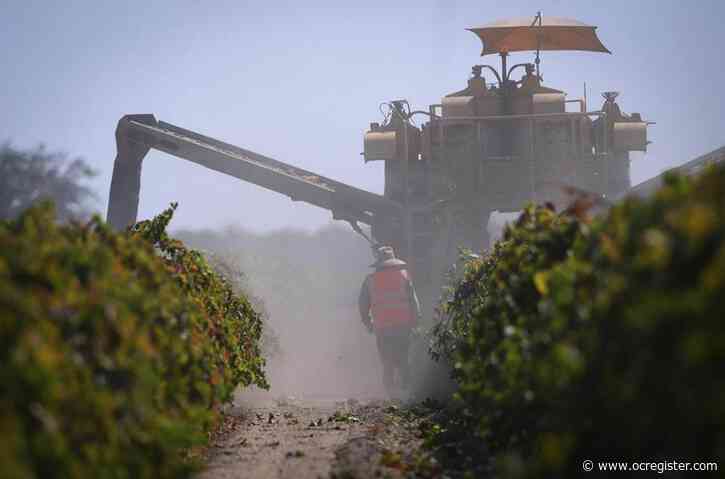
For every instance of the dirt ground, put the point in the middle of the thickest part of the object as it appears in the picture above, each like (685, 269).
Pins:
(311, 438)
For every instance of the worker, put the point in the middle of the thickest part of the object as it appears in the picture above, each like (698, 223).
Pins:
(389, 308)
(530, 81)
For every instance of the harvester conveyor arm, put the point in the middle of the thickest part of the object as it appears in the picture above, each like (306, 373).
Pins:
(691, 168)
(136, 134)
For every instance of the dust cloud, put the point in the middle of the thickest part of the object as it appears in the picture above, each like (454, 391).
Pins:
(309, 285)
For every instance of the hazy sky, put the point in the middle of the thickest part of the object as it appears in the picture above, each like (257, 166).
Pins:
(300, 82)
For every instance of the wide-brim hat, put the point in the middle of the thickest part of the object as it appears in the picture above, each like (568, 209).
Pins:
(386, 258)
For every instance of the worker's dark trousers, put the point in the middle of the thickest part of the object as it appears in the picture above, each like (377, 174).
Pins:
(393, 346)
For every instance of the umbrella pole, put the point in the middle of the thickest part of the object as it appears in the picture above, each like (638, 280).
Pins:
(504, 74)
(537, 19)
(504, 83)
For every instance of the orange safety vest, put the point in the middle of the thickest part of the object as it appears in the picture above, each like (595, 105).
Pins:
(390, 299)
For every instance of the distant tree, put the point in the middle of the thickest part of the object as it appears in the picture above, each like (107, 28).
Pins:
(27, 176)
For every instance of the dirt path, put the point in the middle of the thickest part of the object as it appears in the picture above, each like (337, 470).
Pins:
(303, 439)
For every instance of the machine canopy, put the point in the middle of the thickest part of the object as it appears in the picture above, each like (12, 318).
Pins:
(544, 33)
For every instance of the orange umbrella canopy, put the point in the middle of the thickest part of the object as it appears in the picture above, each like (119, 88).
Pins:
(545, 33)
